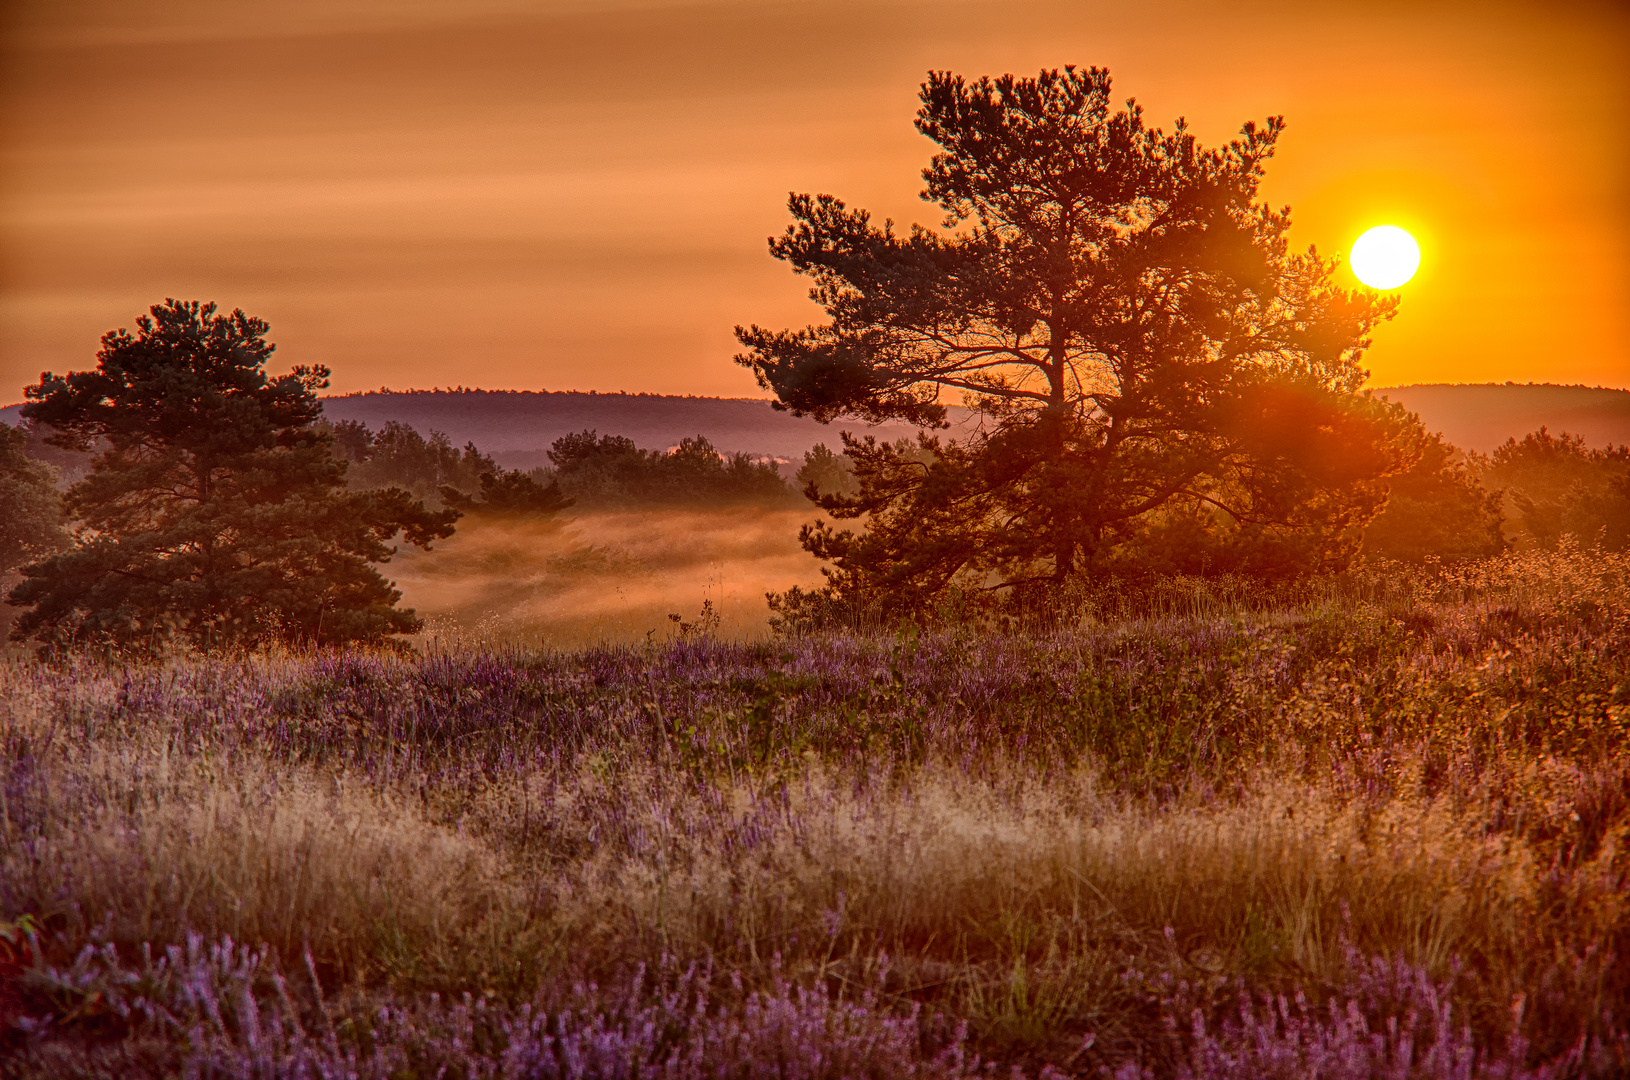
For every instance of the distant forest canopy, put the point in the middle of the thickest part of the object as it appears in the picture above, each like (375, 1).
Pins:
(1454, 504)
(1526, 494)
(452, 437)
(517, 427)
(1483, 416)
(586, 468)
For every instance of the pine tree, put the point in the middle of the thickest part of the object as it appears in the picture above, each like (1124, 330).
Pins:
(29, 527)
(1130, 327)
(214, 513)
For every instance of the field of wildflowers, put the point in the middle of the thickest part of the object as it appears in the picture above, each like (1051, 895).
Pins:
(1373, 827)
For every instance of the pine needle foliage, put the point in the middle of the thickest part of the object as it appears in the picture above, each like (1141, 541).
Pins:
(214, 513)
(1132, 329)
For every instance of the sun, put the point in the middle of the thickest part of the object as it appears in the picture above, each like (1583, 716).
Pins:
(1385, 257)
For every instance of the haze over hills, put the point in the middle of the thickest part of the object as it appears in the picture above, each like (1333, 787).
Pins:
(1481, 417)
(517, 427)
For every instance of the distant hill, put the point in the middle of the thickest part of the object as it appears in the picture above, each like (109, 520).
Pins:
(1482, 416)
(517, 427)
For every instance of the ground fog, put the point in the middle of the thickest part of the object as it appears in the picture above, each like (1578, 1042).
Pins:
(606, 575)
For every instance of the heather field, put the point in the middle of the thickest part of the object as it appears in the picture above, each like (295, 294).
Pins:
(1366, 827)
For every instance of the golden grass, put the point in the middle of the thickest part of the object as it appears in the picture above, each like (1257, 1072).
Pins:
(1040, 897)
(1013, 899)
(146, 843)
(946, 875)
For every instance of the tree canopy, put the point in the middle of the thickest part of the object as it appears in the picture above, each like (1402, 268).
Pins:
(398, 456)
(30, 526)
(214, 510)
(509, 494)
(469, 481)
(611, 470)
(1439, 508)
(1558, 487)
(1139, 343)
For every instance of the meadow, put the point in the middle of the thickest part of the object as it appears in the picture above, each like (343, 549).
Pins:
(1367, 826)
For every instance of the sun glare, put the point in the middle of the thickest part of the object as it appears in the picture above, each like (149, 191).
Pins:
(1385, 257)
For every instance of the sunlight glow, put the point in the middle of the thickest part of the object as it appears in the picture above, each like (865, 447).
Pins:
(1385, 257)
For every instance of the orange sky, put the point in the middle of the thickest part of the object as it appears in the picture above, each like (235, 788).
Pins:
(575, 195)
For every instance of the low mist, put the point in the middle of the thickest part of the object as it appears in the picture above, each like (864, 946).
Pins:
(606, 575)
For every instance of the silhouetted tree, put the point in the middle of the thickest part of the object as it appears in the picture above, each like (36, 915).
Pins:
(352, 440)
(1438, 508)
(610, 469)
(467, 481)
(30, 523)
(826, 473)
(213, 512)
(1129, 325)
(512, 493)
(398, 456)
(583, 449)
(1559, 486)
(600, 469)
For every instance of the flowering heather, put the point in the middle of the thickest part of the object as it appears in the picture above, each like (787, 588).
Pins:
(1168, 840)
(223, 1010)
(1386, 1020)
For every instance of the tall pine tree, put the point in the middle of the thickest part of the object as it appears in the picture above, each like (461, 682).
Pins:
(214, 513)
(1138, 341)
(29, 526)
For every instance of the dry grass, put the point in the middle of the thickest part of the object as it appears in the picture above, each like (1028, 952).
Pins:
(146, 843)
(1019, 904)
(1454, 793)
(1016, 902)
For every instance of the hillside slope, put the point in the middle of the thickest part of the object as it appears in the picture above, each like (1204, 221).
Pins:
(1481, 417)
(517, 427)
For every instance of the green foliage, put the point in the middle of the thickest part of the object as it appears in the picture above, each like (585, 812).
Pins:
(1135, 333)
(212, 513)
(467, 481)
(30, 526)
(398, 456)
(1439, 508)
(826, 473)
(1556, 486)
(512, 493)
(610, 470)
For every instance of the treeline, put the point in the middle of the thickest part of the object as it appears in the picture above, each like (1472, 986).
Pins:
(1453, 504)
(431, 469)
(586, 469)
(609, 470)
(1527, 494)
